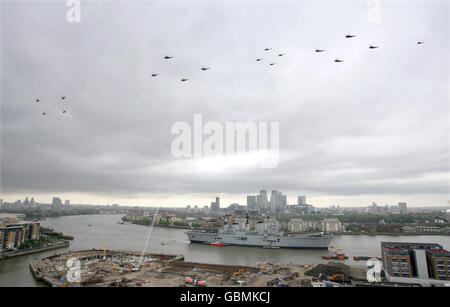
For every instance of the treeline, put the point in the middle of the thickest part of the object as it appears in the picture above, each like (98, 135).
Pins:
(34, 243)
(33, 214)
(368, 218)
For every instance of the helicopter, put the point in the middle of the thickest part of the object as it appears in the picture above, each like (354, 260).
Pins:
(319, 50)
(373, 47)
(349, 36)
(338, 61)
(205, 68)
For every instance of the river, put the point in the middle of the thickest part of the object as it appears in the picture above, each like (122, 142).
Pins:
(105, 229)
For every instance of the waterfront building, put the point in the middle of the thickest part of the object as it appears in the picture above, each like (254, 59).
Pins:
(330, 225)
(439, 261)
(13, 235)
(415, 263)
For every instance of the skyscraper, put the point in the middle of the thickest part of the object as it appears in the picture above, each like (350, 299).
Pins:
(274, 200)
(262, 201)
(56, 203)
(215, 206)
(402, 208)
(251, 202)
(301, 200)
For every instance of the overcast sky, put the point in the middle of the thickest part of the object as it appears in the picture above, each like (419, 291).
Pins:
(372, 128)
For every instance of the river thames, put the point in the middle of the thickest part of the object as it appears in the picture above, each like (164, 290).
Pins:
(92, 231)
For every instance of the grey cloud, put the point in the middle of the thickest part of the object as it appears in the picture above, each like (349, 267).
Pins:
(375, 124)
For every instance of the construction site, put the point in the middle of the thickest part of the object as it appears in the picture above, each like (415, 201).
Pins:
(105, 268)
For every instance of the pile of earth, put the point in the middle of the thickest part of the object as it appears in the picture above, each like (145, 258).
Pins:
(329, 270)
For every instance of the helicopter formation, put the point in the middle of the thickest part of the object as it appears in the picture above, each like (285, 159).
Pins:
(206, 68)
(317, 50)
(45, 113)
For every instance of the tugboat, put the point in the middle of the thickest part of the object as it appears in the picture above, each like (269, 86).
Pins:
(336, 255)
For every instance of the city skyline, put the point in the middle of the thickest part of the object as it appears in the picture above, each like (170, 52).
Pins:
(372, 128)
(224, 201)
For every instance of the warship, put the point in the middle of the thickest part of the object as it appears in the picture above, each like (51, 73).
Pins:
(266, 236)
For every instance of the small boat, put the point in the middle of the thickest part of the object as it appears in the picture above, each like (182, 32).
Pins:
(335, 257)
(361, 257)
(364, 257)
(218, 244)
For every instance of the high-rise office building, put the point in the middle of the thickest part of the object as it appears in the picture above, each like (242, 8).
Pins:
(215, 206)
(56, 203)
(251, 202)
(273, 204)
(301, 200)
(402, 208)
(262, 201)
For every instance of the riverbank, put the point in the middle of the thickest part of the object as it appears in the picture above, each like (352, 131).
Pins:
(336, 233)
(60, 244)
(391, 234)
(132, 269)
(105, 229)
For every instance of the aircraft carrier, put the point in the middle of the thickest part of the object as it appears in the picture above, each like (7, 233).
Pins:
(262, 236)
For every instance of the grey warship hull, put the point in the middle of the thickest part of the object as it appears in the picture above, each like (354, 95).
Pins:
(305, 241)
